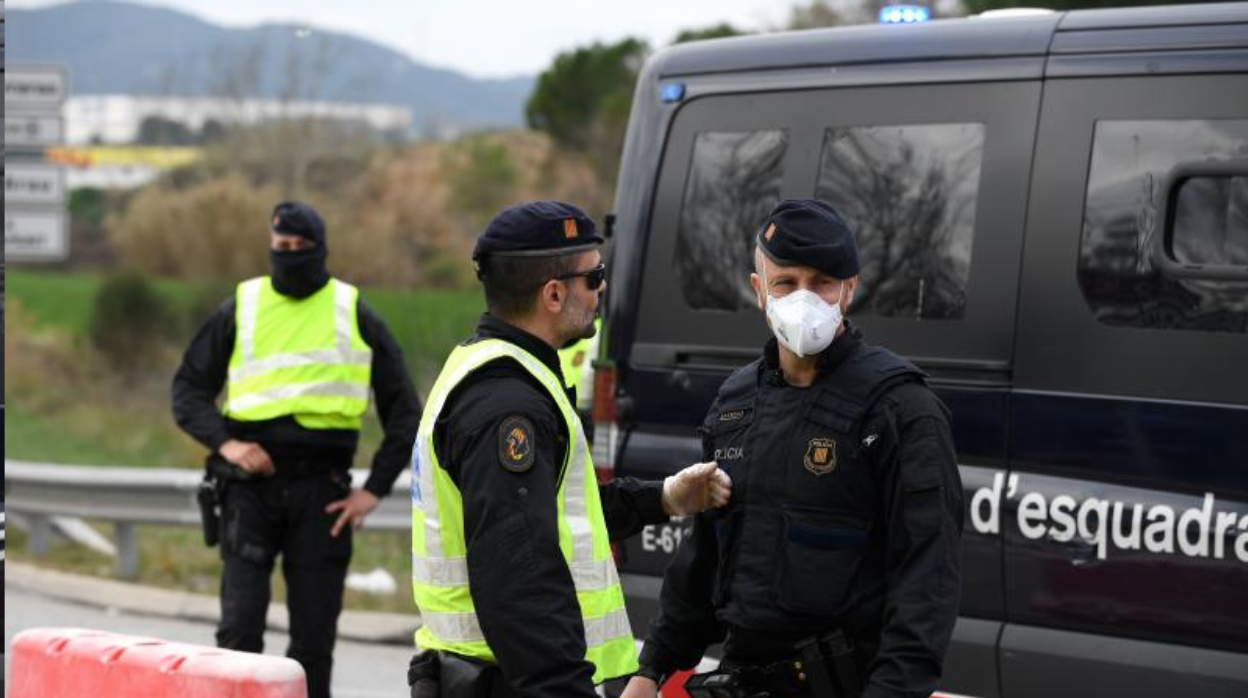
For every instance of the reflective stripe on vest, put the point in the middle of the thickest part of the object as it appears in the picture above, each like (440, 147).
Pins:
(298, 357)
(439, 563)
(463, 628)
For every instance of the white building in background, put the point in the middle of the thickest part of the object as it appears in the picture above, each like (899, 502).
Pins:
(115, 119)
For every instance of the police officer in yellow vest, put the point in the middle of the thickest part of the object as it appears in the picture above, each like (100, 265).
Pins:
(296, 353)
(511, 532)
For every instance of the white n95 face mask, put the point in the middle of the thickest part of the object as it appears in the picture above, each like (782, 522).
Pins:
(802, 321)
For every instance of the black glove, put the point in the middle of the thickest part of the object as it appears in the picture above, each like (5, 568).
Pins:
(422, 675)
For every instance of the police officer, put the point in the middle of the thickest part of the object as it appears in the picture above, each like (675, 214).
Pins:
(512, 566)
(835, 570)
(296, 353)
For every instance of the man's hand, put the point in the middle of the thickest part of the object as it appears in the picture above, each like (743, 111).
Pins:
(357, 505)
(640, 687)
(696, 489)
(248, 455)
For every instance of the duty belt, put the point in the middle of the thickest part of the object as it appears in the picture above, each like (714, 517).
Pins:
(826, 666)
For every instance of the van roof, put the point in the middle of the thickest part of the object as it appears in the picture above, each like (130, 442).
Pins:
(953, 39)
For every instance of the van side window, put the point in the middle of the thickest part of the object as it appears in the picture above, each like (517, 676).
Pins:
(1211, 221)
(909, 192)
(734, 181)
(1119, 273)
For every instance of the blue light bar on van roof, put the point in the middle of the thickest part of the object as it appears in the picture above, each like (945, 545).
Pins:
(904, 14)
(671, 92)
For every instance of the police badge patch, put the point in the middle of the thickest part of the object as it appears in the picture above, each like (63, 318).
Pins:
(515, 444)
(821, 456)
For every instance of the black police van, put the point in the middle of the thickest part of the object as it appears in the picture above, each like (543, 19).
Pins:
(1052, 215)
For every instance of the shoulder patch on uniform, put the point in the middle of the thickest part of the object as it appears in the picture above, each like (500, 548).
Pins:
(515, 444)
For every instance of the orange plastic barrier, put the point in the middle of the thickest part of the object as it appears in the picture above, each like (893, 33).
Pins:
(50, 662)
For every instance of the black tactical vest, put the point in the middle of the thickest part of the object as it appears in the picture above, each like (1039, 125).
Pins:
(799, 544)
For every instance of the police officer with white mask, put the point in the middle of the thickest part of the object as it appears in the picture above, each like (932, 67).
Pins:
(834, 571)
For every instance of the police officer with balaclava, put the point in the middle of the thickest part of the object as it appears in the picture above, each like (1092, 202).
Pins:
(297, 353)
(834, 571)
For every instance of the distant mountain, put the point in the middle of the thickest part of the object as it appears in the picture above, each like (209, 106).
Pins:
(125, 48)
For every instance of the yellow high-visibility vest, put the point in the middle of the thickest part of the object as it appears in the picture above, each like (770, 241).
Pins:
(300, 357)
(439, 553)
(576, 363)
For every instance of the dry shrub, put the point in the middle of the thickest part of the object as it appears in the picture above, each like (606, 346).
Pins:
(400, 216)
(210, 230)
(406, 221)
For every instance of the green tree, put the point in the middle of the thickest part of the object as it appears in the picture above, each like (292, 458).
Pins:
(977, 6)
(585, 92)
(722, 30)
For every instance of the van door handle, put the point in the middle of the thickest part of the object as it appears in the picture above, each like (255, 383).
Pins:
(1080, 552)
(679, 379)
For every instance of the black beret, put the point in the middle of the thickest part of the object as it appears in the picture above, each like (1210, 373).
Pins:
(810, 233)
(298, 218)
(538, 229)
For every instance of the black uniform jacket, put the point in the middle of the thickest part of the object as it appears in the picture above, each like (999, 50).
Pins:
(203, 372)
(521, 586)
(897, 489)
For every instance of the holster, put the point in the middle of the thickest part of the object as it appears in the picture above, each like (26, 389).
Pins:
(830, 666)
(217, 473)
(209, 498)
(434, 674)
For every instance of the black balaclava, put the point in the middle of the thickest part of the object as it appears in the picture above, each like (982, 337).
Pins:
(299, 273)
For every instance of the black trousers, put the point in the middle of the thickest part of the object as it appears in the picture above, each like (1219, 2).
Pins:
(285, 515)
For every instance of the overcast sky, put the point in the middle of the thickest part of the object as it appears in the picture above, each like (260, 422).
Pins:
(487, 38)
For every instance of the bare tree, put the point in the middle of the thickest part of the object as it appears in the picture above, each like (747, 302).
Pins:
(899, 189)
(734, 182)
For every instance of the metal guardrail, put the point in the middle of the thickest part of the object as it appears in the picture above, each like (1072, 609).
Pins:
(129, 497)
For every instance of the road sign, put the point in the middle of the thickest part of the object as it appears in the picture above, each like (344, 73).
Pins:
(35, 235)
(35, 86)
(26, 183)
(36, 226)
(32, 130)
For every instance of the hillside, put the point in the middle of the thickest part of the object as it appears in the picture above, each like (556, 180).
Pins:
(126, 48)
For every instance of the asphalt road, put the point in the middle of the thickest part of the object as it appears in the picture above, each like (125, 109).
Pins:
(360, 670)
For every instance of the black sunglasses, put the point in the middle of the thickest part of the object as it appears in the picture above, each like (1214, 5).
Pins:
(593, 277)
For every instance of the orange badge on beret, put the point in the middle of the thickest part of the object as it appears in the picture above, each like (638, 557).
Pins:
(771, 232)
(569, 228)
